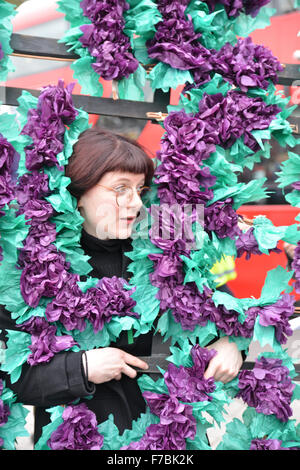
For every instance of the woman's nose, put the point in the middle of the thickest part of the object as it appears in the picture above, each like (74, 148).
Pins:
(136, 200)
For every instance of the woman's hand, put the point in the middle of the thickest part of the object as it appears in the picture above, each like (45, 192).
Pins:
(225, 365)
(105, 364)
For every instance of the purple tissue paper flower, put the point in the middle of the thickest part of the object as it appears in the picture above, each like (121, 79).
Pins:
(234, 8)
(44, 278)
(98, 305)
(221, 218)
(177, 423)
(44, 342)
(278, 315)
(8, 158)
(246, 65)
(78, 431)
(247, 243)
(175, 41)
(105, 40)
(266, 444)
(46, 125)
(268, 388)
(32, 186)
(188, 383)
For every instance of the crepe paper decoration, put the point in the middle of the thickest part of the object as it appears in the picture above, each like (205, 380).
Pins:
(168, 423)
(244, 65)
(78, 431)
(175, 43)
(289, 174)
(164, 77)
(224, 29)
(12, 418)
(268, 388)
(7, 13)
(259, 432)
(101, 54)
(140, 21)
(199, 162)
(112, 438)
(9, 143)
(235, 8)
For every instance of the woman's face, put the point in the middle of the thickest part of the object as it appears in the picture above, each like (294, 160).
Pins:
(107, 216)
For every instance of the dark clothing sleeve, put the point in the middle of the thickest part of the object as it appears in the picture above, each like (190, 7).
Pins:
(59, 381)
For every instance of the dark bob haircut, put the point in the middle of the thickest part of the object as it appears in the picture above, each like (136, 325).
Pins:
(99, 151)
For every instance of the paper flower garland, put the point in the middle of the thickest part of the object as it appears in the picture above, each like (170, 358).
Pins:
(210, 137)
(169, 35)
(99, 36)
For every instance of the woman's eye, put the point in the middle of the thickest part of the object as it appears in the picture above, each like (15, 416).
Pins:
(121, 189)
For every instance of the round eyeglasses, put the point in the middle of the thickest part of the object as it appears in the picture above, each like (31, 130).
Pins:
(124, 194)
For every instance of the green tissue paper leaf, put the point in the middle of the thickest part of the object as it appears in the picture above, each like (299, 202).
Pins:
(87, 77)
(131, 88)
(163, 76)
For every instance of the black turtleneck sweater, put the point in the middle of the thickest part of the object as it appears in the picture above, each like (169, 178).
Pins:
(62, 380)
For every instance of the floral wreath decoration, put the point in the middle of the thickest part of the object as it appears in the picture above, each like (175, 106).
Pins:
(50, 325)
(12, 414)
(49, 226)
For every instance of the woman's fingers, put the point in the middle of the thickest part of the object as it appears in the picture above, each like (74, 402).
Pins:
(127, 370)
(135, 361)
(220, 373)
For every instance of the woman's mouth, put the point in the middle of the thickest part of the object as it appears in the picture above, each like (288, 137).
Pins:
(129, 220)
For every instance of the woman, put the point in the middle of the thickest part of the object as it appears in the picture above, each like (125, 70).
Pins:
(109, 174)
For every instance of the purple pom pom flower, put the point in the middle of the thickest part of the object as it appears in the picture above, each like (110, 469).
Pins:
(247, 243)
(246, 65)
(267, 388)
(175, 41)
(44, 342)
(177, 424)
(266, 444)
(188, 383)
(98, 305)
(78, 431)
(32, 186)
(105, 40)
(234, 8)
(221, 218)
(44, 278)
(7, 160)
(46, 125)
(278, 315)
